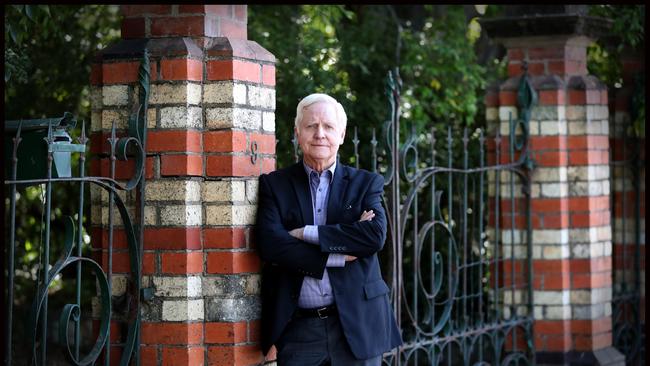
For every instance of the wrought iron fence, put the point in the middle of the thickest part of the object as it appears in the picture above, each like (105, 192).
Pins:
(627, 166)
(458, 254)
(41, 153)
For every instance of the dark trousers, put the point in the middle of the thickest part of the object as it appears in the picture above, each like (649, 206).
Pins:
(317, 342)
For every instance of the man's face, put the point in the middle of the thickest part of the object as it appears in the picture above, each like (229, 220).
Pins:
(320, 134)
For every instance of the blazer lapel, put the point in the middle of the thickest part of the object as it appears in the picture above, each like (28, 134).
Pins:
(337, 193)
(303, 195)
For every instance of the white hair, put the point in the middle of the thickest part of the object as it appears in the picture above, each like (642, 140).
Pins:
(341, 117)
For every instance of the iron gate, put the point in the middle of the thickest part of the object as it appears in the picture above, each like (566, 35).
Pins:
(458, 256)
(46, 164)
(627, 166)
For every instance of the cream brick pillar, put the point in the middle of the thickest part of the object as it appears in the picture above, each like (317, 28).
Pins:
(571, 231)
(211, 134)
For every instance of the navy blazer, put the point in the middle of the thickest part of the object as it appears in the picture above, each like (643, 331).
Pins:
(360, 293)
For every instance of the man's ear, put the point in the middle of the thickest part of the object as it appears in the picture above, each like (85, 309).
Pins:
(295, 131)
(342, 137)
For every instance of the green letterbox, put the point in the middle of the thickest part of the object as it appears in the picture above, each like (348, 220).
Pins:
(33, 148)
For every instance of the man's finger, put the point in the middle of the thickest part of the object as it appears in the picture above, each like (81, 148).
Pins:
(367, 215)
(296, 233)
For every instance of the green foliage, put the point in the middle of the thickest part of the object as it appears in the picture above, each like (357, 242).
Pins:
(628, 33)
(605, 65)
(629, 23)
(347, 51)
(48, 54)
(18, 21)
(604, 56)
(15, 65)
(442, 79)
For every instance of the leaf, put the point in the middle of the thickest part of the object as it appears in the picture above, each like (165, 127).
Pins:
(348, 14)
(435, 84)
(12, 32)
(473, 30)
(28, 12)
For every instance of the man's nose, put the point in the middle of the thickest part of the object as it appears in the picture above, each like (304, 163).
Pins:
(320, 132)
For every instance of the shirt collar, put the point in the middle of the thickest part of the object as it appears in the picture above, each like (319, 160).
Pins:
(331, 169)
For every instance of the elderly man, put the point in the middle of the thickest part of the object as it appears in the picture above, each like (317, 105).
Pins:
(319, 227)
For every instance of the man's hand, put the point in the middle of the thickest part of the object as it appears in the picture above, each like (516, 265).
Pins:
(298, 233)
(365, 216)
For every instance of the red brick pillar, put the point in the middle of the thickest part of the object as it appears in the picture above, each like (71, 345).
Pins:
(571, 233)
(211, 133)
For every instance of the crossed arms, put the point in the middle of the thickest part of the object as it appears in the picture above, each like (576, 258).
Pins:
(284, 248)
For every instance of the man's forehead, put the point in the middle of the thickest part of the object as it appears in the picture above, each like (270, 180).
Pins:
(323, 105)
(326, 111)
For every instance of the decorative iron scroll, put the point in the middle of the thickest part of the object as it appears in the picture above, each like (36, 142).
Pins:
(438, 225)
(59, 153)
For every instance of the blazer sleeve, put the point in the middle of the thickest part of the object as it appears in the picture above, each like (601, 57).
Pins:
(274, 243)
(361, 238)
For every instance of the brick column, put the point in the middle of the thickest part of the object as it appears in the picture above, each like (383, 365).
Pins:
(210, 135)
(571, 238)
